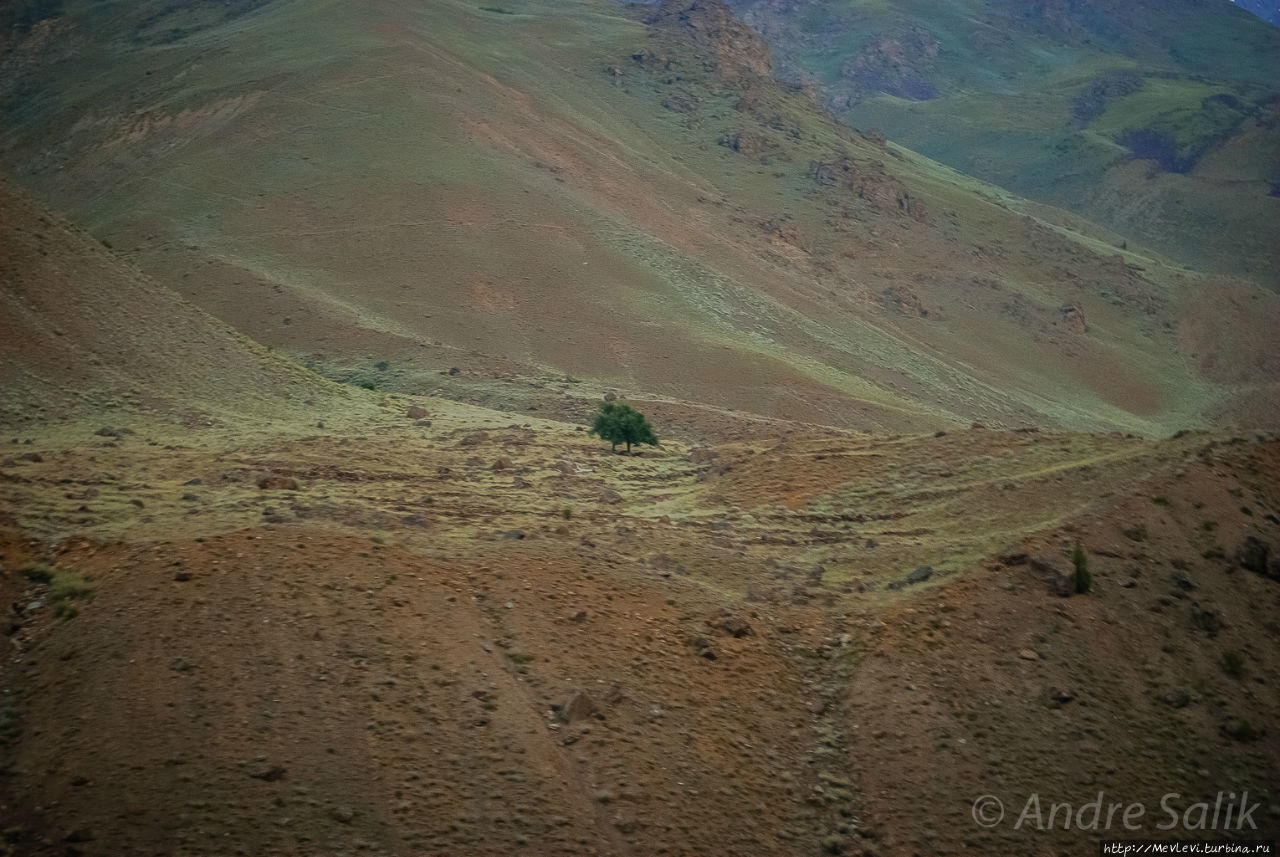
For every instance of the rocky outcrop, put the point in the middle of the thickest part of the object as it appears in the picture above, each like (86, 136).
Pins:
(737, 52)
(872, 184)
(896, 63)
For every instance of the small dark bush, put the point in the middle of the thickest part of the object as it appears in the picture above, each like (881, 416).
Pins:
(39, 572)
(1084, 580)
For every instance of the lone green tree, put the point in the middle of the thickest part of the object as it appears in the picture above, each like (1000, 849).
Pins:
(619, 423)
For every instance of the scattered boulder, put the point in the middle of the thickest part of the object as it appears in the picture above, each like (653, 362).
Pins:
(666, 565)
(730, 625)
(342, 814)
(1175, 697)
(920, 575)
(578, 707)
(610, 497)
(1013, 556)
(1028, 655)
(1253, 555)
(1054, 571)
(267, 773)
(701, 454)
(1204, 619)
(702, 646)
(502, 464)
(277, 482)
(1056, 697)
(416, 413)
(1073, 319)
(1238, 729)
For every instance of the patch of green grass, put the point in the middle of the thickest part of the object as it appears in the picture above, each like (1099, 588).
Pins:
(65, 588)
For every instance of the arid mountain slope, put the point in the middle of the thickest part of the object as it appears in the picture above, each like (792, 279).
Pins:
(387, 625)
(1158, 119)
(479, 637)
(83, 333)
(535, 191)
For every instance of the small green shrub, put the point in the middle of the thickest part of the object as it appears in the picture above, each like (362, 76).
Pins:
(382, 365)
(1084, 580)
(1209, 526)
(368, 385)
(1161, 500)
(40, 573)
(1233, 664)
(568, 514)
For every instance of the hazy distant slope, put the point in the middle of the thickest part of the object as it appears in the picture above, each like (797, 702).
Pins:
(558, 188)
(1158, 119)
(82, 332)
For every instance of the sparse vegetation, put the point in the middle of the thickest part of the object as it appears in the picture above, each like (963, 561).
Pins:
(1084, 579)
(39, 572)
(382, 365)
(1233, 664)
(1161, 500)
(65, 587)
(619, 423)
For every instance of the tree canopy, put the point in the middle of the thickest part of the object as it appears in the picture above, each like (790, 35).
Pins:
(619, 423)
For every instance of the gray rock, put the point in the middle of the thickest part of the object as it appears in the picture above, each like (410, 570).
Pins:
(1055, 572)
(578, 707)
(1206, 620)
(920, 575)
(1253, 555)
